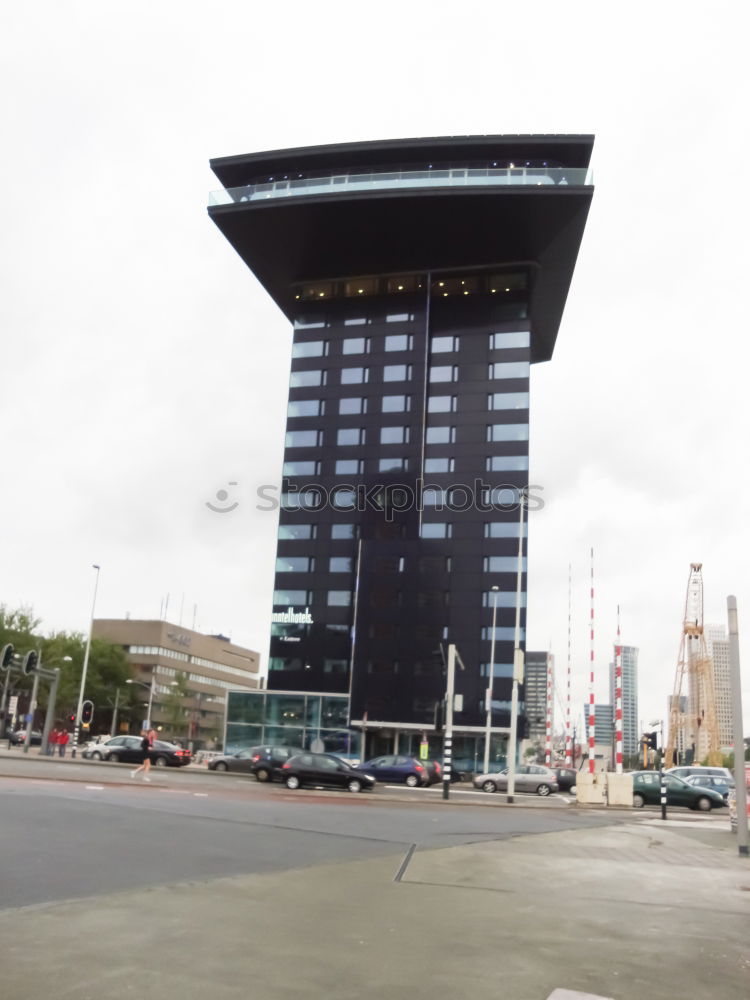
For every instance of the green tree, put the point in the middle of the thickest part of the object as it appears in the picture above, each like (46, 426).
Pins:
(108, 668)
(174, 705)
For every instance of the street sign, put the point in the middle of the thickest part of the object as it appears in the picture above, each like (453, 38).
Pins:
(423, 750)
(12, 704)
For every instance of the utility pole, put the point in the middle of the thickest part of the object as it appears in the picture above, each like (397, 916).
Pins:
(518, 662)
(85, 666)
(490, 679)
(740, 780)
(453, 655)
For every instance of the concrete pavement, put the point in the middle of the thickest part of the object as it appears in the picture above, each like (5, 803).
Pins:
(635, 909)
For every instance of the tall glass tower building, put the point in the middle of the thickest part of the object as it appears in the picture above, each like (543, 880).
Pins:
(423, 277)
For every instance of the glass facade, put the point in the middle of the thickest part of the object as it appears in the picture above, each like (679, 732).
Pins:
(292, 719)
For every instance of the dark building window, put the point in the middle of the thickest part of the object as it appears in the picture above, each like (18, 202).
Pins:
(297, 531)
(396, 404)
(301, 379)
(397, 373)
(310, 349)
(350, 435)
(355, 345)
(399, 342)
(439, 465)
(352, 404)
(301, 468)
(305, 408)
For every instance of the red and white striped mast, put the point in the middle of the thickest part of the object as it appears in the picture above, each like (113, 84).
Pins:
(550, 707)
(592, 715)
(618, 699)
(568, 755)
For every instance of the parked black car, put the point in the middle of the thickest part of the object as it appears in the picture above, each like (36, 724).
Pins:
(265, 762)
(127, 749)
(327, 770)
(566, 777)
(19, 737)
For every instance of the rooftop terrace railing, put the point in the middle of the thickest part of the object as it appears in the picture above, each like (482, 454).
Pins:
(400, 179)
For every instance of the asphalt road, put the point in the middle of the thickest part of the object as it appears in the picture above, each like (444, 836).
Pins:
(67, 838)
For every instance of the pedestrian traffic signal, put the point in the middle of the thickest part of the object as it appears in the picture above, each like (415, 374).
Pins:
(6, 656)
(87, 712)
(30, 661)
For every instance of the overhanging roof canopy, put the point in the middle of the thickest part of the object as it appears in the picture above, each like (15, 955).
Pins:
(347, 233)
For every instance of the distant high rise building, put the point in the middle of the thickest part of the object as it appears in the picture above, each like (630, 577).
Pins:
(630, 734)
(717, 644)
(535, 695)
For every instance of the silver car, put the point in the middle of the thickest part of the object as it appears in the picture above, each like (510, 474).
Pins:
(529, 778)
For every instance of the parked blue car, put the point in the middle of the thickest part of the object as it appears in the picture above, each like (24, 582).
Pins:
(396, 769)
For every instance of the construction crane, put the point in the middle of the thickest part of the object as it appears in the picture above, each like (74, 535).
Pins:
(692, 717)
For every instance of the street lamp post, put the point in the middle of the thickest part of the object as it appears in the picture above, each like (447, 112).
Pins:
(85, 665)
(490, 678)
(150, 686)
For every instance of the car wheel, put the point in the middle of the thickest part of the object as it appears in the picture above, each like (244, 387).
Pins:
(355, 785)
(114, 757)
(703, 804)
(638, 802)
(412, 780)
(161, 762)
(292, 781)
(263, 774)
(543, 790)
(221, 766)
(489, 786)
(96, 755)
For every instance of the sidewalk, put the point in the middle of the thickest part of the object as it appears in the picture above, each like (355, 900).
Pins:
(628, 911)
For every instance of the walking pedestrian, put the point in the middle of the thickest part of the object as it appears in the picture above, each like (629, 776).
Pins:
(147, 741)
(52, 742)
(62, 741)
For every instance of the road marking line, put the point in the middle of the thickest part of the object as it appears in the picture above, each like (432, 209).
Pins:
(95, 788)
(201, 795)
(560, 994)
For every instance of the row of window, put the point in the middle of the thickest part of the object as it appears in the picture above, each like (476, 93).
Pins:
(320, 322)
(457, 499)
(173, 672)
(403, 373)
(430, 529)
(397, 564)
(356, 466)
(347, 436)
(402, 404)
(403, 342)
(385, 598)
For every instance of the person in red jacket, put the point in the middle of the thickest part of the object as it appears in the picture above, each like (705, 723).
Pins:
(52, 742)
(62, 741)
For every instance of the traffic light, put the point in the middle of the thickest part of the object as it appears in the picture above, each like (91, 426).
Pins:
(6, 656)
(651, 740)
(87, 713)
(72, 718)
(30, 661)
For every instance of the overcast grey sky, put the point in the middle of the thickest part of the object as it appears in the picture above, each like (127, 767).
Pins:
(144, 369)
